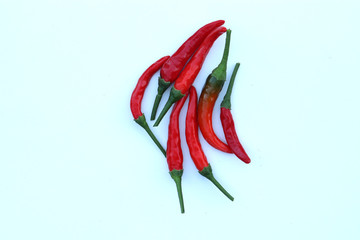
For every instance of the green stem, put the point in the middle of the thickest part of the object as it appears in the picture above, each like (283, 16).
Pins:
(220, 71)
(176, 175)
(163, 85)
(156, 106)
(226, 101)
(207, 172)
(175, 95)
(142, 122)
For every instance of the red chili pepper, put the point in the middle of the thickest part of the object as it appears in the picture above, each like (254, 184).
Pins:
(193, 142)
(228, 122)
(210, 92)
(191, 70)
(174, 154)
(137, 96)
(173, 66)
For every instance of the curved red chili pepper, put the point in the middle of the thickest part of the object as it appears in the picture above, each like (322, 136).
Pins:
(137, 96)
(174, 154)
(209, 94)
(192, 132)
(173, 66)
(228, 122)
(190, 72)
(193, 142)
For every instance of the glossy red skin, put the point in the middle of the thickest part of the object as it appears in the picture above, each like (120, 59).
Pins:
(138, 93)
(173, 66)
(192, 132)
(174, 154)
(191, 70)
(231, 136)
(207, 101)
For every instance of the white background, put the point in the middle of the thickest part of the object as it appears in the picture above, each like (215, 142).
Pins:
(74, 165)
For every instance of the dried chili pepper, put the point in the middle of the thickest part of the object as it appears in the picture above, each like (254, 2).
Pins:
(210, 92)
(191, 70)
(193, 142)
(174, 154)
(228, 122)
(173, 66)
(137, 96)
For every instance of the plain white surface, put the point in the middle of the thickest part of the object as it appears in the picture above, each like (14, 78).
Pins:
(74, 165)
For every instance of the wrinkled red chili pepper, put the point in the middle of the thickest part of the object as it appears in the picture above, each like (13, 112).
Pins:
(193, 142)
(228, 122)
(137, 96)
(174, 155)
(173, 66)
(210, 92)
(191, 70)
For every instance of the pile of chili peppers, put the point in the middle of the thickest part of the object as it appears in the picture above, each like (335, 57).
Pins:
(182, 69)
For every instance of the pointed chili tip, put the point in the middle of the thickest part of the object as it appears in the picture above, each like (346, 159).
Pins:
(246, 159)
(223, 29)
(219, 22)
